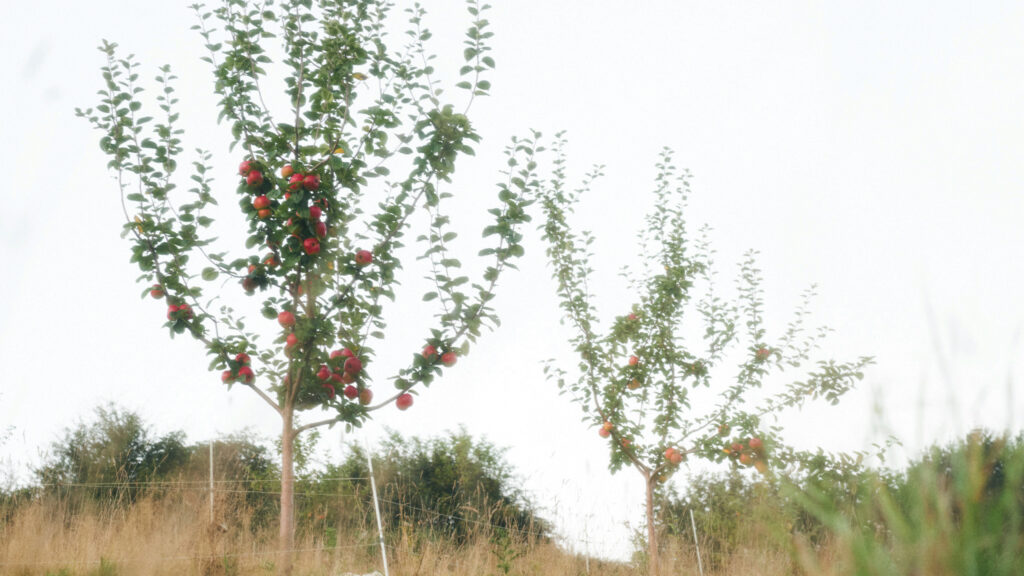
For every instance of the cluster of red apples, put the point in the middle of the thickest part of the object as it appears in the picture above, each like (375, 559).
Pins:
(345, 368)
(175, 312)
(310, 236)
(243, 372)
(749, 452)
(306, 224)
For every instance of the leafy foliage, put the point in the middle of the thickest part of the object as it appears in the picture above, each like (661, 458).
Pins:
(957, 510)
(329, 194)
(445, 487)
(647, 400)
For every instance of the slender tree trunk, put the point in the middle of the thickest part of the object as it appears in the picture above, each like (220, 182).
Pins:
(652, 528)
(286, 536)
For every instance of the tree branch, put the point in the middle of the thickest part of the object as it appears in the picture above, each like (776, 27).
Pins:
(316, 424)
(266, 398)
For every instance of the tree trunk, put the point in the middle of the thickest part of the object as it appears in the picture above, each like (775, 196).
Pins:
(286, 536)
(652, 529)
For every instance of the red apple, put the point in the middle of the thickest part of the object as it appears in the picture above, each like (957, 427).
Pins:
(746, 459)
(347, 378)
(243, 358)
(449, 358)
(157, 291)
(254, 179)
(324, 373)
(762, 354)
(226, 376)
(631, 317)
(271, 260)
(291, 341)
(286, 319)
(669, 452)
(404, 401)
(264, 214)
(315, 212)
(608, 426)
(736, 447)
(340, 379)
(353, 365)
(185, 310)
(755, 444)
(320, 229)
(311, 246)
(604, 433)
(626, 442)
(346, 352)
(248, 284)
(311, 182)
(330, 390)
(287, 171)
(245, 374)
(364, 257)
(429, 352)
(351, 392)
(295, 181)
(244, 167)
(365, 396)
(634, 360)
(261, 202)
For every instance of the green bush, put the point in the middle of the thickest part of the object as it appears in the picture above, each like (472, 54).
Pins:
(445, 487)
(112, 457)
(442, 487)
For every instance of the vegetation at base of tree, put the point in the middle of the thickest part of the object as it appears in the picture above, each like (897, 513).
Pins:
(956, 509)
(440, 487)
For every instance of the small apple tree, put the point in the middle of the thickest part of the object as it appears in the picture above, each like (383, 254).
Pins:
(328, 195)
(640, 381)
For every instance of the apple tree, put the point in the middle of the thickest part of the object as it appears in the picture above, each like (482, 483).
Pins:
(652, 381)
(330, 190)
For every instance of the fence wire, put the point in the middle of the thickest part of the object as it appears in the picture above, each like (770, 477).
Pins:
(203, 486)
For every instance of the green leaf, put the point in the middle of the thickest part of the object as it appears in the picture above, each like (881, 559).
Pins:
(210, 274)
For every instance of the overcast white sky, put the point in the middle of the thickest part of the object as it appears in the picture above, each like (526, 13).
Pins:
(872, 148)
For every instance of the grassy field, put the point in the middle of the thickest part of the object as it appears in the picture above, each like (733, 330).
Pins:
(958, 510)
(171, 535)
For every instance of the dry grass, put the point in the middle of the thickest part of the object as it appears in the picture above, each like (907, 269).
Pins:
(172, 535)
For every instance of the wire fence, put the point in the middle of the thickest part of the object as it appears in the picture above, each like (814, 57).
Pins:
(194, 557)
(235, 487)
